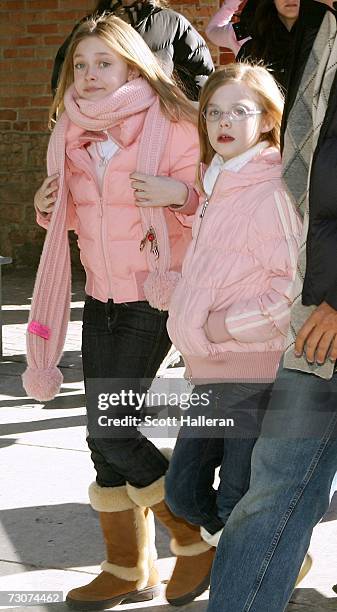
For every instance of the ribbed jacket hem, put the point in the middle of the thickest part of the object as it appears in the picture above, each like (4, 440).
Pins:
(233, 367)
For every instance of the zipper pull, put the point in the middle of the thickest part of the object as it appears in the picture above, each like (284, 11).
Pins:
(100, 207)
(143, 242)
(150, 237)
(203, 210)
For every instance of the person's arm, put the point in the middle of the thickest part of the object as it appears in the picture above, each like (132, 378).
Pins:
(318, 335)
(177, 190)
(44, 200)
(220, 29)
(192, 58)
(44, 203)
(273, 242)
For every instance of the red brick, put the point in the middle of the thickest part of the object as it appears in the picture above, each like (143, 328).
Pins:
(65, 28)
(5, 125)
(10, 4)
(42, 4)
(38, 126)
(41, 76)
(26, 52)
(34, 65)
(10, 52)
(8, 114)
(53, 40)
(24, 17)
(31, 113)
(43, 28)
(20, 126)
(41, 101)
(26, 89)
(14, 102)
(10, 28)
(77, 4)
(26, 41)
(69, 16)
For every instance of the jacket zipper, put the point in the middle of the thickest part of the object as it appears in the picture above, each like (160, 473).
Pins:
(106, 260)
(101, 215)
(188, 375)
(103, 246)
(203, 210)
(201, 216)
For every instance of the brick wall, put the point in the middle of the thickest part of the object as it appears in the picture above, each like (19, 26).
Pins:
(31, 32)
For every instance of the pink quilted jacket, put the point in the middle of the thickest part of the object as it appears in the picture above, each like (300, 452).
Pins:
(108, 223)
(230, 312)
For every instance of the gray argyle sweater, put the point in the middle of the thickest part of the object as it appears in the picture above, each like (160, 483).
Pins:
(304, 123)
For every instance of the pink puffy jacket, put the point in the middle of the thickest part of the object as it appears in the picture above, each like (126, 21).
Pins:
(237, 276)
(108, 222)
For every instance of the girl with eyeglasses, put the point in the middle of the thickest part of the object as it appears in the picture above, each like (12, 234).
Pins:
(229, 313)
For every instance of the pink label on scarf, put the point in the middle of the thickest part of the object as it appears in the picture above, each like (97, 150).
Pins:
(38, 329)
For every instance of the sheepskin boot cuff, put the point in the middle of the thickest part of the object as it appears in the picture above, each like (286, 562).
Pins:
(109, 499)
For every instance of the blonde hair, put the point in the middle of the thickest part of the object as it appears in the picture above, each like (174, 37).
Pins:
(126, 42)
(261, 82)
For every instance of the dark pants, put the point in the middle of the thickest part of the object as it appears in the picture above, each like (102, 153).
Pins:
(123, 341)
(189, 480)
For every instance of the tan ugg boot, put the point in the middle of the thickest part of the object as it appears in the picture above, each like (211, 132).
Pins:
(192, 571)
(128, 574)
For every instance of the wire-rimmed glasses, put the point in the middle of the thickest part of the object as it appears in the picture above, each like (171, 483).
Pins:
(237, 113)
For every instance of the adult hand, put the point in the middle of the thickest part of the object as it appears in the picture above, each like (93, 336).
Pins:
(318, 336)
(158, 190)
(46, 195)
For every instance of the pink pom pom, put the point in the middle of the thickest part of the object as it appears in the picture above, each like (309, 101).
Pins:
(158, 288)
(42, 385)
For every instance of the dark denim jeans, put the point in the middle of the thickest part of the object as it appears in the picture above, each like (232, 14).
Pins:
(123, 341)
(293, 465)
(189, 480)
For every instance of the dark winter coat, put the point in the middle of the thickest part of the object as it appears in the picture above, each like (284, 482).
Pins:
(174, 41)
(320, 282)
(277, 54)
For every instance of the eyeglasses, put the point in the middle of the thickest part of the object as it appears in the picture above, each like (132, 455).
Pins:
(237, 113)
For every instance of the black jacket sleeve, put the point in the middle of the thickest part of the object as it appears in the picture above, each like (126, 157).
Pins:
(192, 58)
(173, 38)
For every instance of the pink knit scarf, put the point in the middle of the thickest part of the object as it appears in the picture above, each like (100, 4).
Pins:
(50, 309)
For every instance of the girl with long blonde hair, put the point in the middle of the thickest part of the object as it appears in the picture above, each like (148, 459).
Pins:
(121, 165)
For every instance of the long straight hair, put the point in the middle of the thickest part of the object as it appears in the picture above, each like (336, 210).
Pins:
(261, 83)
(126, 42)
(265, 32)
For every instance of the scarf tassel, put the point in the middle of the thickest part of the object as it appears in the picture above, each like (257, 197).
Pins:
(158, 288)
(42, 384)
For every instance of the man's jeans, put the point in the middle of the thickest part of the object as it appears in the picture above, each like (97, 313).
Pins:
(123, 342)
(293, 464)
(189, 480)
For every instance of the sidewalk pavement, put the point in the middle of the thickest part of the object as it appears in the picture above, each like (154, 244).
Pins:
(50, 537)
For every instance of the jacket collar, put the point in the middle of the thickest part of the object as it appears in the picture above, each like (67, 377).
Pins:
(235, 164)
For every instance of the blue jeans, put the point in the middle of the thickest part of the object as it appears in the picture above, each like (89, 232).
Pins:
(124, 342)
(189, 480)
(293, 464)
